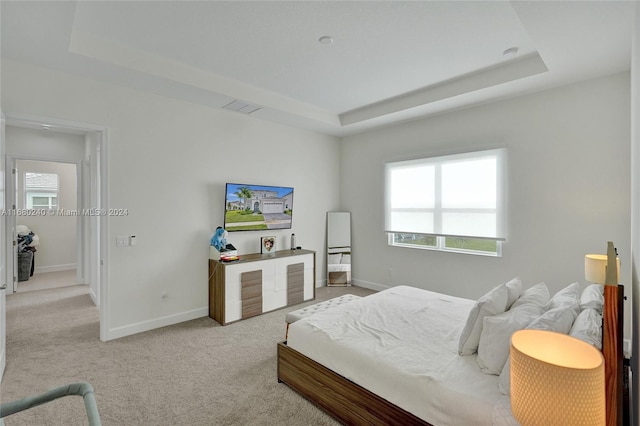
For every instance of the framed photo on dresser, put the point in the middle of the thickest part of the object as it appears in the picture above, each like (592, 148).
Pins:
(268, 245)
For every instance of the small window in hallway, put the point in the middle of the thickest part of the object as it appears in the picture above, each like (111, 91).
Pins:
(41, 190)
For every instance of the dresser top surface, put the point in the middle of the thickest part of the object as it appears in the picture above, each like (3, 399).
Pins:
(252, 257)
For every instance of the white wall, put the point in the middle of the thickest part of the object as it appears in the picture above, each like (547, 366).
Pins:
(44, 145)
(57, 249)
(568, 188)
(168, 163)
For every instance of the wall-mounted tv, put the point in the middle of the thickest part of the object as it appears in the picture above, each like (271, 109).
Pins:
(257, 207)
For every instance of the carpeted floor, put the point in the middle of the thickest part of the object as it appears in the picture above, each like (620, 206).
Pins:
(194, 373)
(47, 280)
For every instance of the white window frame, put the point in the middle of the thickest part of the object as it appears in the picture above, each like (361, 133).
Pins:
(30, 195)
(31, 192)
(437, 210)
(441, 246)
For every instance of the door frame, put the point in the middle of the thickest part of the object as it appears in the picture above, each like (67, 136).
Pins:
(98, 234)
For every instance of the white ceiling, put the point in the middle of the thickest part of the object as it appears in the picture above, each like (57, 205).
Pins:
(390, 61)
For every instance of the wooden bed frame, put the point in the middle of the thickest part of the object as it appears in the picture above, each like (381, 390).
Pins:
(352, 404)
(348, 402)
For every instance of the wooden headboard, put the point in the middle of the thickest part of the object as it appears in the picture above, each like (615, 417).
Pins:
(612, 335)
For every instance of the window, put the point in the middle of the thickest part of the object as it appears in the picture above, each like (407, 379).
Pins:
(41, 190)
(451, 203)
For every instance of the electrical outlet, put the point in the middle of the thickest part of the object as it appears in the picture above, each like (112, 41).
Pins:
(122, 241)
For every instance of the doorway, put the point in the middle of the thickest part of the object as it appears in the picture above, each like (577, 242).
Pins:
(47, 238)
(83, 146)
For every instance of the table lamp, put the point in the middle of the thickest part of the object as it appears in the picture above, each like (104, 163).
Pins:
(556, 379)
(595, 268)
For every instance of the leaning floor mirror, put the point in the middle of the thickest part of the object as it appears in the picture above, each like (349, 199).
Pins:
(338, 248)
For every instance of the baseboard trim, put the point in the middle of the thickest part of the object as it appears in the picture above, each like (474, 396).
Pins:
(3, 363)
(140, 327)
(54, 268)
(93, 297)
(370, 285)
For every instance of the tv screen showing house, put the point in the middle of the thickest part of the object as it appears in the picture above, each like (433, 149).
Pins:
(257, 207)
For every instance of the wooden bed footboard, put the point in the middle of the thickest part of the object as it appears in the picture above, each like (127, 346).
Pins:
(348, 402)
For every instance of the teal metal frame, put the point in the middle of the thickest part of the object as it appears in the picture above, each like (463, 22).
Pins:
(85, 390)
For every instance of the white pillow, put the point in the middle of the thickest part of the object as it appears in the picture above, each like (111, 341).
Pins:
(514, 290)
(492, 303)
(568, 296)
(559, 320)
(495, 339)
(588, 327)
(592, 297)
(538, 294)
(334, 258)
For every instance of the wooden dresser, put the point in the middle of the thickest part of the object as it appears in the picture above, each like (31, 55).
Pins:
(259, 283)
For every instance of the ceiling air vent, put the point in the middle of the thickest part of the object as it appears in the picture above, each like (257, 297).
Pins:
(241, 106)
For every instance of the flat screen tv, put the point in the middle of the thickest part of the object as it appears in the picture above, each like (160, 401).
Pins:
(257, 207)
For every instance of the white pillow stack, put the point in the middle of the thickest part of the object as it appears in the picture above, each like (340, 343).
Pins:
(560, 313)
(507, 308)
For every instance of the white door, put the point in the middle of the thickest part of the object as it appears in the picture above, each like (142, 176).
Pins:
(3, 260)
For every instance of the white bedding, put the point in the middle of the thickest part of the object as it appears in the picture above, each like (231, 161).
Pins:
(402, 345)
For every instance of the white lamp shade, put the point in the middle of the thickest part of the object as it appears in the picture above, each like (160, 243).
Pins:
(595, 268)
(556, 379)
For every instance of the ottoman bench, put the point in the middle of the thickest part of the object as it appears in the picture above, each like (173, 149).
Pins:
(296, 315)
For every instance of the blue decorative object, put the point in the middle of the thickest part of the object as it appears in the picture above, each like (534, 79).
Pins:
(218, 241)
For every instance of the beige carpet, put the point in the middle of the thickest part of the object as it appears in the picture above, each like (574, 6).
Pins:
(194, 373)
(47, 280)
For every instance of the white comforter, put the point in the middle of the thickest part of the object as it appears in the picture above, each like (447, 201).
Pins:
(402, 344)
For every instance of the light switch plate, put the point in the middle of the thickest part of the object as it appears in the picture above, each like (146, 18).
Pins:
(122, 241)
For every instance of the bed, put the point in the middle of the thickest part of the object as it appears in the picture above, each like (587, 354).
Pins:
(394, 358)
